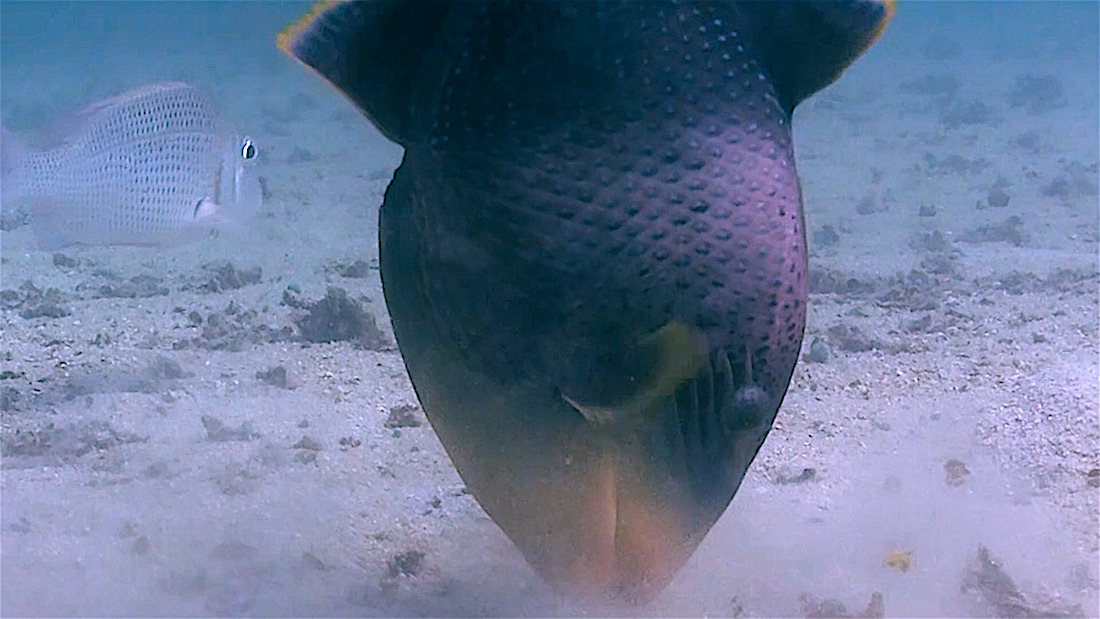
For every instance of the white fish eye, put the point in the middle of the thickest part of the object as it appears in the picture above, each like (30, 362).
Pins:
(248, 150)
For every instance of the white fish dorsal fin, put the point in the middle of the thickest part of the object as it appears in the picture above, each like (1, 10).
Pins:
(61, 131)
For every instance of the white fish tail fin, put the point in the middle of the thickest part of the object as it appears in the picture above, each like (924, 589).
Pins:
(50, 226)
(13, 185)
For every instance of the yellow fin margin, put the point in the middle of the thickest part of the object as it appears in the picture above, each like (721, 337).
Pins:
(286, 36)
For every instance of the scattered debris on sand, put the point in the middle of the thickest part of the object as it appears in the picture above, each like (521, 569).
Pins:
(955, 472)
(987, 579)
(307, 450)
(234, 329)
(218, 432)
(34, 302)
(338, 318)
(1010, 231)
(830, 608)
(117, 287)
(53, 443)
(807, 474)
(899, 559)
(403, 416)
(1037, 94)
(222, 276)
(408, 564)
(280, 377)
(356, 270)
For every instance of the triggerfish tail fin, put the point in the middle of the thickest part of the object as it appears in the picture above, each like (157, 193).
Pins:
(369, 51)
(809, 44)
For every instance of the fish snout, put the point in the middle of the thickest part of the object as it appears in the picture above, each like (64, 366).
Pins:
(617, 537)
(249, 194)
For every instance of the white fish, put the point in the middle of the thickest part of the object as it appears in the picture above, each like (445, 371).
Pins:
(156, 165)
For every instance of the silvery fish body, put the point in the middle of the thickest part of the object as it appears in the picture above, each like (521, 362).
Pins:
(156, 165)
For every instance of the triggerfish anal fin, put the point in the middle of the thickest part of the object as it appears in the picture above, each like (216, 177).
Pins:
(370, 51)
(812, 42)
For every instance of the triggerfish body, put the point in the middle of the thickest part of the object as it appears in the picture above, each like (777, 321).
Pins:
(593, 252)
(157, 165)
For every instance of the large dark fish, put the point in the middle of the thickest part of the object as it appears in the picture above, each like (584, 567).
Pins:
(593, 252)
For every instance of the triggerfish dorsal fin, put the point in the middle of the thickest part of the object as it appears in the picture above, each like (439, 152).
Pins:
(370, 51)
(807, 45)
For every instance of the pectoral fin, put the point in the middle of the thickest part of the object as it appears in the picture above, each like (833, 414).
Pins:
(674, 354)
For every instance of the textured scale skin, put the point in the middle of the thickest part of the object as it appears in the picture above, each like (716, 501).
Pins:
(677, 197)
(578, 175)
